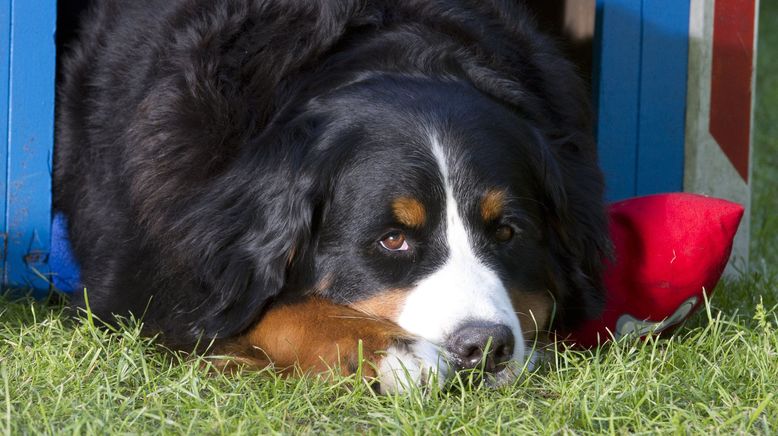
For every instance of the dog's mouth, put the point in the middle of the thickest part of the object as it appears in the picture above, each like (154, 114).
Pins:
(487, 371)
(504, 374)
(509, 373)
(423, 364)
(495, 371)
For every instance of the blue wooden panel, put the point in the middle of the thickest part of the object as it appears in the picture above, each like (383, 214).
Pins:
(640, 80)
(30, 141)
(662, 126)
(5, 65)
(617, 92)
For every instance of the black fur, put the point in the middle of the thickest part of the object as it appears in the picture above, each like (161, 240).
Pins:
(211, 153)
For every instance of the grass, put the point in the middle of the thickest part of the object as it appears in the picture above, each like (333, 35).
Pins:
(764, 222)
(717, 374)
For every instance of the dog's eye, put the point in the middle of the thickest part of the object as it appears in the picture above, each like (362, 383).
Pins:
(394, 241)
(503, 233)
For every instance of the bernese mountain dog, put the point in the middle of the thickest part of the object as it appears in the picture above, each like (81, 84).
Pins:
(308, 183)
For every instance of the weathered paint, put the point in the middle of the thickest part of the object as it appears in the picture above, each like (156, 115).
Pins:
(5, 72)
(732, 74)
(708, 168)
(29, 109)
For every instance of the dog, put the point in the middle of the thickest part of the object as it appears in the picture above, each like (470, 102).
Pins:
(410, 187)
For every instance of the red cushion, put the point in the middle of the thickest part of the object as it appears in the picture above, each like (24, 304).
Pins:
(668, 249)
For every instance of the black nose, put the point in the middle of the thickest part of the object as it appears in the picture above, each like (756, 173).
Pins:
(468, 343)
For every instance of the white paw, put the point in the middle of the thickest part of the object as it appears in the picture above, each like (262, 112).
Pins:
(414, 364)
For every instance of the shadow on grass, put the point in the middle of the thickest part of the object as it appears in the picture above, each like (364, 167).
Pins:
(764, 221)
(19, 307)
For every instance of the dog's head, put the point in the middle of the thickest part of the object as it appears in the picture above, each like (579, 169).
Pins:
(446, 212)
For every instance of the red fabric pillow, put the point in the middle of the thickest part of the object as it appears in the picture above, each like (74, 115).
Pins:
(668, 249)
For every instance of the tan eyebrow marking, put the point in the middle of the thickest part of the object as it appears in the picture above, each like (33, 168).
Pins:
(492, 205)
(409, 212)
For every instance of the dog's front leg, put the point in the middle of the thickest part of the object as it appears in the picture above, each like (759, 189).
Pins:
(315, 335)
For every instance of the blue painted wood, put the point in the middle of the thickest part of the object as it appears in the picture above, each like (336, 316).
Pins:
(665, 60)
(640, 80)
(617, 92)
(30, 141)
(5, 65)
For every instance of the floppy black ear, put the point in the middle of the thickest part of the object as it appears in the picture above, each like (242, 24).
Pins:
(245, 237)
(578, 232)
(579, 217)
(225, 243)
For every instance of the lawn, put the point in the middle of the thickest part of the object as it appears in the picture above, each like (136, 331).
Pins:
(717, 374)
(764, 222)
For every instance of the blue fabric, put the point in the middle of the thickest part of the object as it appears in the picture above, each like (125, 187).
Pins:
(65, 272)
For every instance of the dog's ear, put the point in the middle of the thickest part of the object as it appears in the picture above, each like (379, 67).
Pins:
(578, 233)
(227, 243)
(247, 238)
(577, 205)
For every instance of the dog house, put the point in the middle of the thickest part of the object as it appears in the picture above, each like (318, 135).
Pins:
(671, 80)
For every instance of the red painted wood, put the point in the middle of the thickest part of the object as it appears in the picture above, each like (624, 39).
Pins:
(733, 63)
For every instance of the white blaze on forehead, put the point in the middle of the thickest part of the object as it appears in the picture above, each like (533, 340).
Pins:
(464, 288)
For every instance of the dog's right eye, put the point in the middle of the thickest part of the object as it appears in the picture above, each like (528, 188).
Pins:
(503, 233)
(394, 241)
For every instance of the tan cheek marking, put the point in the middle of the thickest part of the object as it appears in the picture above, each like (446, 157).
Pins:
(386, 305)
(492, 205)
(314, 334)
(409, 212)
(534, 312)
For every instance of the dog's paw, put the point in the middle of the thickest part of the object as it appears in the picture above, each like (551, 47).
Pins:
(412, 363)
